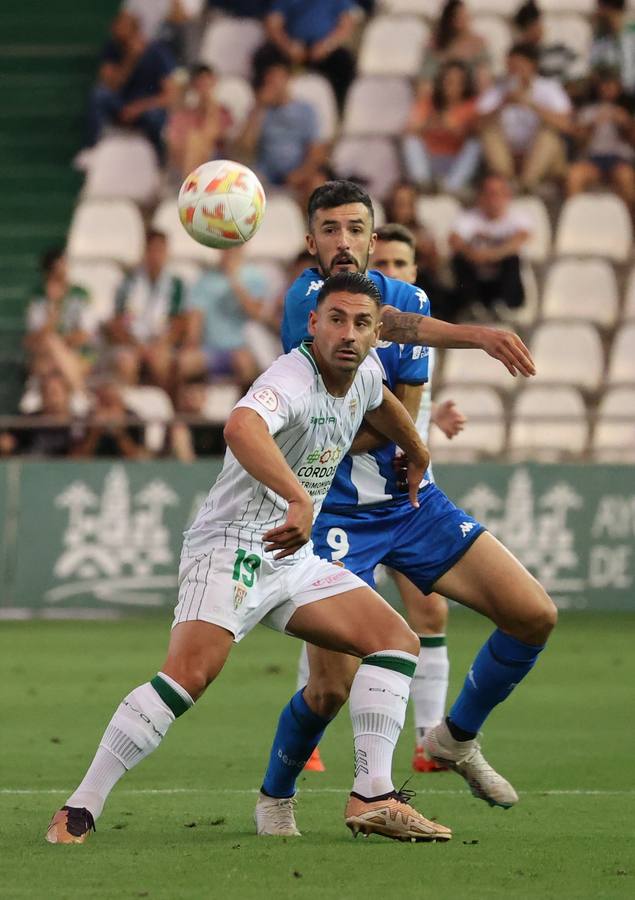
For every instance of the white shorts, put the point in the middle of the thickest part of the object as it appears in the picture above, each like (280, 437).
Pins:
(236, 589)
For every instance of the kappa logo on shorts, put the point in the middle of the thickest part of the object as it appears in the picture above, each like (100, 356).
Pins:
(267, 397)
(466, 527)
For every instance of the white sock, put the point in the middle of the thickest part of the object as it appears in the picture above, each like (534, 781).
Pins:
(136, 729)
(378, 701)
(430, 683)
(303, 668)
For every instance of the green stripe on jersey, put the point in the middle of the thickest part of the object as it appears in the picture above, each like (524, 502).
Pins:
(429, 640)
(169, 696)
(396, 663)
(304, 350)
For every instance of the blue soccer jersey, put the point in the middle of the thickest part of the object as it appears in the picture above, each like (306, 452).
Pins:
(365, 479)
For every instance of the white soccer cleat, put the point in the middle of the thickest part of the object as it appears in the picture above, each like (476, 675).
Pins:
(275, 815)
(465, 757)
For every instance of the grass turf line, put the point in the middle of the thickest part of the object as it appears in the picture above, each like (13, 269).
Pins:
(566, 729)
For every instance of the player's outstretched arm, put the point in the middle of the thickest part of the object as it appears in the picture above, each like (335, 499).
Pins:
(247, 436)
(392, 420)
(413, 328)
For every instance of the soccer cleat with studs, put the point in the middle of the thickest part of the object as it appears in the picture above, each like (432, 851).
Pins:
(276, 816)
(392, 816)
(70, 825)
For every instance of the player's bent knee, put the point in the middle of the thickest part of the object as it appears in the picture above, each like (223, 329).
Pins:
(535, 617)
(327, 700)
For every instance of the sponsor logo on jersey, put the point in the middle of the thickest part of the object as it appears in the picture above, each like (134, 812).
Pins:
(267, 398)
(419, 351)
(322, 420)
(466, 527)
(327, 454)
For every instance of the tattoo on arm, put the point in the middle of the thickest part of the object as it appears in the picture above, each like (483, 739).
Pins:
(401, 327)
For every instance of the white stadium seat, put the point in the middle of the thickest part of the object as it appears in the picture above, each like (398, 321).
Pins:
(439, 214)
(123, 165)
(220, 399)
(236, 95)
(374, 159)
(181, 245)
(153, 406)
(582, 7)
(101, 278)
(392, 45)
(548, 422)
(498, 36)
(622, 358)
(571, 30)
(428, 8)
(106, 229)
(614, 434)
(538, 247)
(315, 90)
(629, 299)
(595, 225)
(228, 45)
(377, 106)
(484, 432)
(568, 353)
(581, 289)
(476, 367)
(503, 8)
(281, 235)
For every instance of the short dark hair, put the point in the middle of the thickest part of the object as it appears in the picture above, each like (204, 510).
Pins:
(49, 258)
(393, 231)
(352, 283)
(201, 69)
(616, 5)
(528, 51)
(338, 193)
(526, 15)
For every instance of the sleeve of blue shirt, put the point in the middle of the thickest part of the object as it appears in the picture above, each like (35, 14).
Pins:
(295, 318)
(413, 362)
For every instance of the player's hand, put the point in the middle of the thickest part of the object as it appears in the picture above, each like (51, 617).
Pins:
(415, 471)
(292, 534)
(508, 348)
(449, 418)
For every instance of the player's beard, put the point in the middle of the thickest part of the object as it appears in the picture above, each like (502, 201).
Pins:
(327, 268)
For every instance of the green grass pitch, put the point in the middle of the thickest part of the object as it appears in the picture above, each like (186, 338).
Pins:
(179, 826)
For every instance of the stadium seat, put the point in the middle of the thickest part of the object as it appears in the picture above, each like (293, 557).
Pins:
(469, 367)
(438, 214)
(485, 429)
(153, 406)
(373, 159)
(281, 235)
(106, 229)
(622, 358)
(614, 434)
(538, 247)
(182, 246)
(380, 214)
(228, 45)
(595, 225)
(568, 353)
(220, 399)
(377, 106)
(582, 7)
(315, 90)
(392, 45)
(572, 30)
(236, 95)
(629, 299)
(428, 8)
(581, 289)
(498, 36)
(123, 165)
(548, 422)
(101, 278)
(496, 7)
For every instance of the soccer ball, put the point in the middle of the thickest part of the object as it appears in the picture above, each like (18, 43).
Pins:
(221, 204)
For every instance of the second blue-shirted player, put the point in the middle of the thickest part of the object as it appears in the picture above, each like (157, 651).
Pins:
(366, 519)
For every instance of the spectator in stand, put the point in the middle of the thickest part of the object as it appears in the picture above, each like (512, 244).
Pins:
(108, 431)
(134, 86)
(486, 242)
(313, 34)
(281, 135)
(232, 328)
(150, 319)
(440, 145)
(523, 120)
(192, 434)
(164, 20)
(455, 40)
(554, 60)
(49, 432)
(61, 327)
(606, 135)
(198, 125)
(244, 9)
(614, 41)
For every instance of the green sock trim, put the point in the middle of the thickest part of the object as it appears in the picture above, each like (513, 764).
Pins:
(395, 663)
(432, 640)
(169, 696)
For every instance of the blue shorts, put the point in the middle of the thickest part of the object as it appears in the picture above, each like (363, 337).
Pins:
(422, 544)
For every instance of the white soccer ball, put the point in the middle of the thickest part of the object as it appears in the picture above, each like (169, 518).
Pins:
(221, 204)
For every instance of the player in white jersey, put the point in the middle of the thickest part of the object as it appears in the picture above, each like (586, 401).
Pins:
(248, 559)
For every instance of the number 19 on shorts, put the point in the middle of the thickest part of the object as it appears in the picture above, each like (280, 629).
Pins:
(245, 567)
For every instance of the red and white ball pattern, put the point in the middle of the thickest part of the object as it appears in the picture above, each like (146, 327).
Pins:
(221, 204)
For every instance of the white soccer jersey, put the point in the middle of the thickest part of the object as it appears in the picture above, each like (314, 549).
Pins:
(313, 430)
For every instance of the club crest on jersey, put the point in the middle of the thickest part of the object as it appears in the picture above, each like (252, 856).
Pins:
(352, 406)
(240, 593)
(267, 397)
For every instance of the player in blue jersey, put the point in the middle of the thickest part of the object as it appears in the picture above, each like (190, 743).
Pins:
(366, 520)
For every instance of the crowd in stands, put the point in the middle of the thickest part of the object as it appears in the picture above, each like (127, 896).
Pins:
(488, 123)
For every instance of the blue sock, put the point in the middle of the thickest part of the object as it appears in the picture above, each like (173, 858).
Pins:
(298, 734)
(501, 663)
